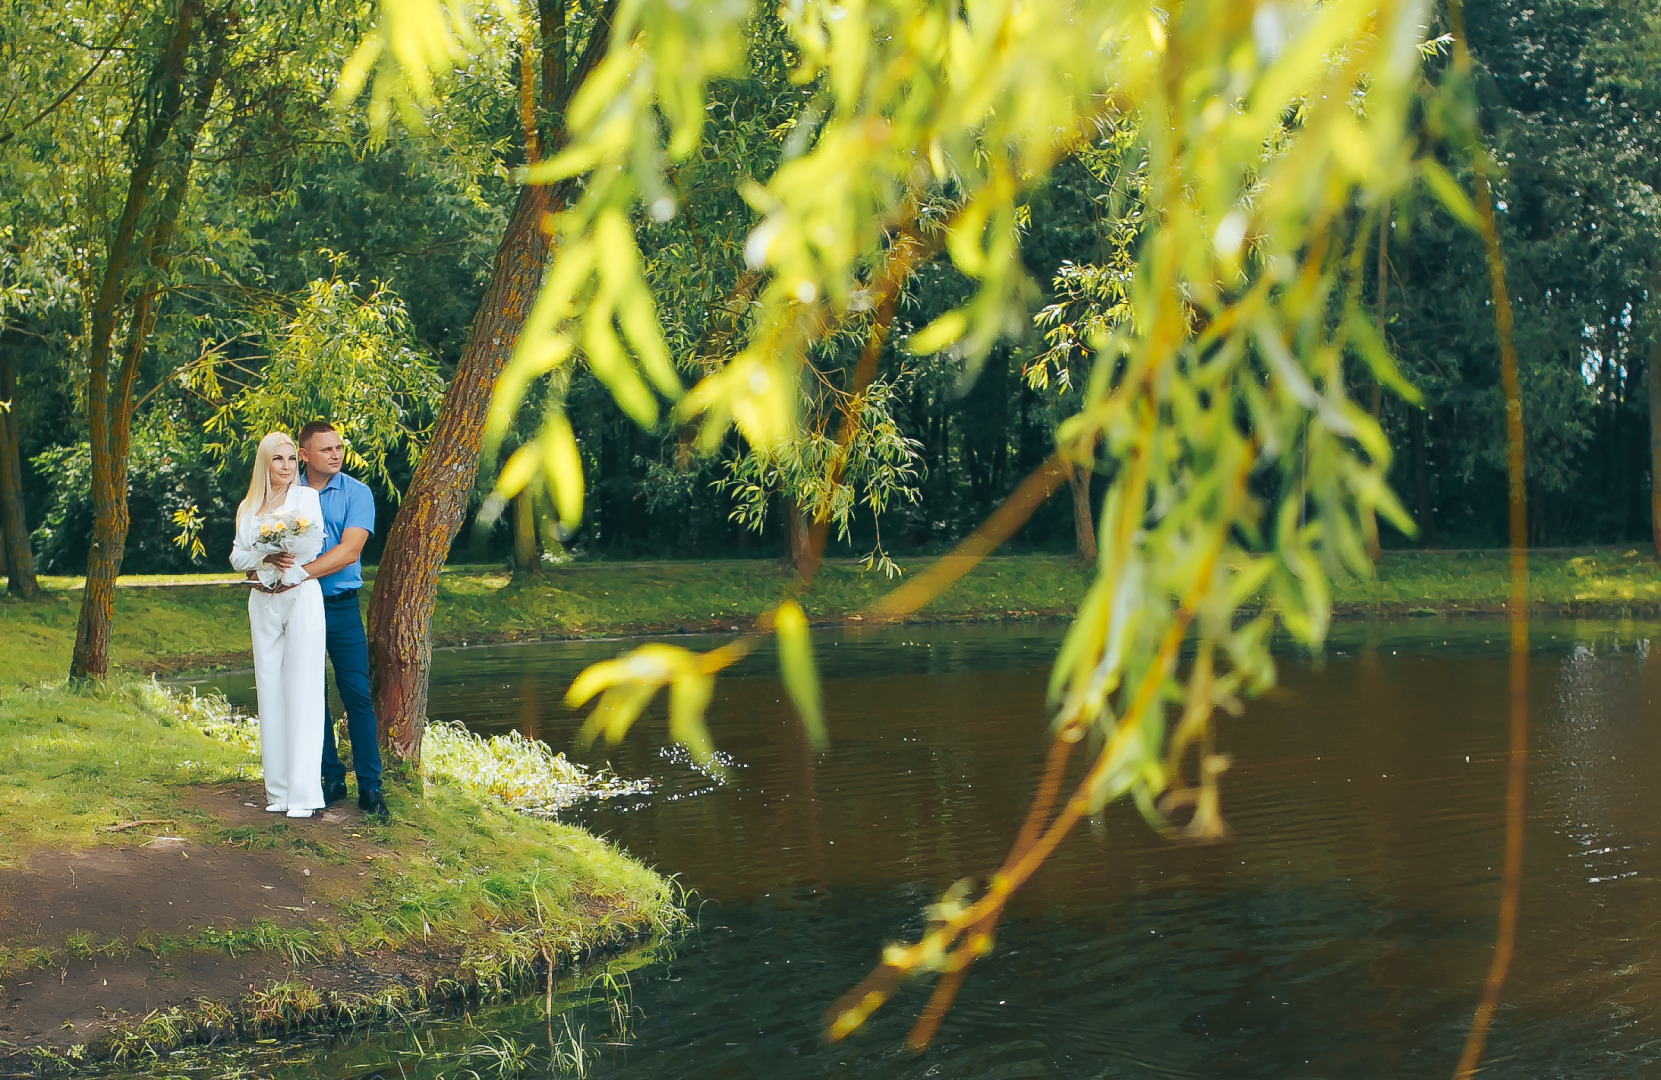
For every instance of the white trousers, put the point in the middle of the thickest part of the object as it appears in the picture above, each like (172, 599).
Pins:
(288, 632)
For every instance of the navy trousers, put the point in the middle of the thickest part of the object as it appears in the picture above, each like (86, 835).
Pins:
(349, 653)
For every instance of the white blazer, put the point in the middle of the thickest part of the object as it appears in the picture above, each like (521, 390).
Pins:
(244, 556)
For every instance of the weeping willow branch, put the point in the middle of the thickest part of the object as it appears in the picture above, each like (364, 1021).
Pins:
(1004, 522)
(1516, 784)
(961, 937)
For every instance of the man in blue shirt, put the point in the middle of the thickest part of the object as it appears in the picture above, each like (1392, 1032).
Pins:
(348, 522)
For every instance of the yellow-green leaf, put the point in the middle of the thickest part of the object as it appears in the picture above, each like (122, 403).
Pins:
(1449, 193)
(796, 667)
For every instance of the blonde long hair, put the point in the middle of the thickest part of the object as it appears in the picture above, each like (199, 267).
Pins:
(259, 485)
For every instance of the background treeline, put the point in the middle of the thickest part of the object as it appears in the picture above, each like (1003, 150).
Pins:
(305, 236)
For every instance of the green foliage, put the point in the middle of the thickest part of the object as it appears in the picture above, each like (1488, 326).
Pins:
(285, 207)
(1567, 97)
(342, 357)
(171, 474)
(877, 467)
(1268, 139)
(798, 671)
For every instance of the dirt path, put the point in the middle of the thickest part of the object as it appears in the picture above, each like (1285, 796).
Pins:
(106, 915)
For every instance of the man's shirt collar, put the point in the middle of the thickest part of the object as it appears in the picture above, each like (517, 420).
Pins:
(335, 481)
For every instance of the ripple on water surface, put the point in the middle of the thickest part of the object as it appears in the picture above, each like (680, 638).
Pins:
(1343, 930)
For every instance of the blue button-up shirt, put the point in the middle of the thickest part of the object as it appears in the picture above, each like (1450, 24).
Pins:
(347, 504)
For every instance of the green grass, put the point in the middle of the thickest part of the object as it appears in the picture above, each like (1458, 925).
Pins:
(199, 626)
(72, 763)
(75, 762)
(456, 873)
(1615, 581)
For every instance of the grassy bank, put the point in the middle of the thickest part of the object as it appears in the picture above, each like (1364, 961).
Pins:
(153, 796)
(166, 629)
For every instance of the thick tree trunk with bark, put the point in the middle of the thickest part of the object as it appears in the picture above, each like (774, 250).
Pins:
(401, 608)
(1084, 523)
(18, 560)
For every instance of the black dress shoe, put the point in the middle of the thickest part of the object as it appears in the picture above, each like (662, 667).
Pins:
(333, 793)
(370, 802)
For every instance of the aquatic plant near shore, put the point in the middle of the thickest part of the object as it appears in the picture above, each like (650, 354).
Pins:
(211, 714)
(523, 774)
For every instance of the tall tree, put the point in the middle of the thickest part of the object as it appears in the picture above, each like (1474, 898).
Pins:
(14, 531)
(1653, 378)
(401, 606)
(169, 111)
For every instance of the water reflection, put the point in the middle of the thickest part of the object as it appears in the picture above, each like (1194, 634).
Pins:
(1343, 930)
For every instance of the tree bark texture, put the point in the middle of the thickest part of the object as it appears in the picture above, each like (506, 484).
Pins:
(401, 606)
(109, 402)
(1084, 523)
(18, 560)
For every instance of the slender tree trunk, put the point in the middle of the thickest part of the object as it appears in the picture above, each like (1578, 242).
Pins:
(1369, 520)
(110, 403)
(401, 606)
(525, 560)
(14, 530)
(798, 538)
(1084, 524)
(1419, 433)
(1654, 378)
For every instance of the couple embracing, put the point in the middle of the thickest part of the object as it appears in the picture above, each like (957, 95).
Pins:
(299, 537)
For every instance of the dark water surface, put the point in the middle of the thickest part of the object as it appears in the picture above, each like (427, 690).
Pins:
(1343, 931)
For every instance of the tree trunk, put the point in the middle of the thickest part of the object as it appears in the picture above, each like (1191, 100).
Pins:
(1654, 378)
(110, 404)
(1369, 519)
(14, 530)
(798, 538)
(1084, 523)
(401, 606)
(1419, 432)
(525, 560)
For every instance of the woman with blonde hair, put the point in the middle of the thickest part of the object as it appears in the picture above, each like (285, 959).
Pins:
(278, 531)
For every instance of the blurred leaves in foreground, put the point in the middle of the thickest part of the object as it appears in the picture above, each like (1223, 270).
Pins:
(1261, 141)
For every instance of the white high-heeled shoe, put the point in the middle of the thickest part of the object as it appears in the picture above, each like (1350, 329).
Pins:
(299, 813)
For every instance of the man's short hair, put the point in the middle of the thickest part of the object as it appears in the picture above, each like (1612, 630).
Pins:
(316, 427)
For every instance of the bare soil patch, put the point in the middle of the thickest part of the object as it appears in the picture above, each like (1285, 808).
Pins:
(104, 915)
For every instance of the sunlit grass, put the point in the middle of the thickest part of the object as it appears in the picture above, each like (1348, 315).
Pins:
(456, 861)
(202, 625)
(72, 763)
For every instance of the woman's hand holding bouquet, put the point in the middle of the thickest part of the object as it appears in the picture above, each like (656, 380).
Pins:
(290, 533)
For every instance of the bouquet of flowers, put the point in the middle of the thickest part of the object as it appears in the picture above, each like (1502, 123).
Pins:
(284, 530)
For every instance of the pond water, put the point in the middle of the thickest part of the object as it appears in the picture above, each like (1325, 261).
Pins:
(1342, 931)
